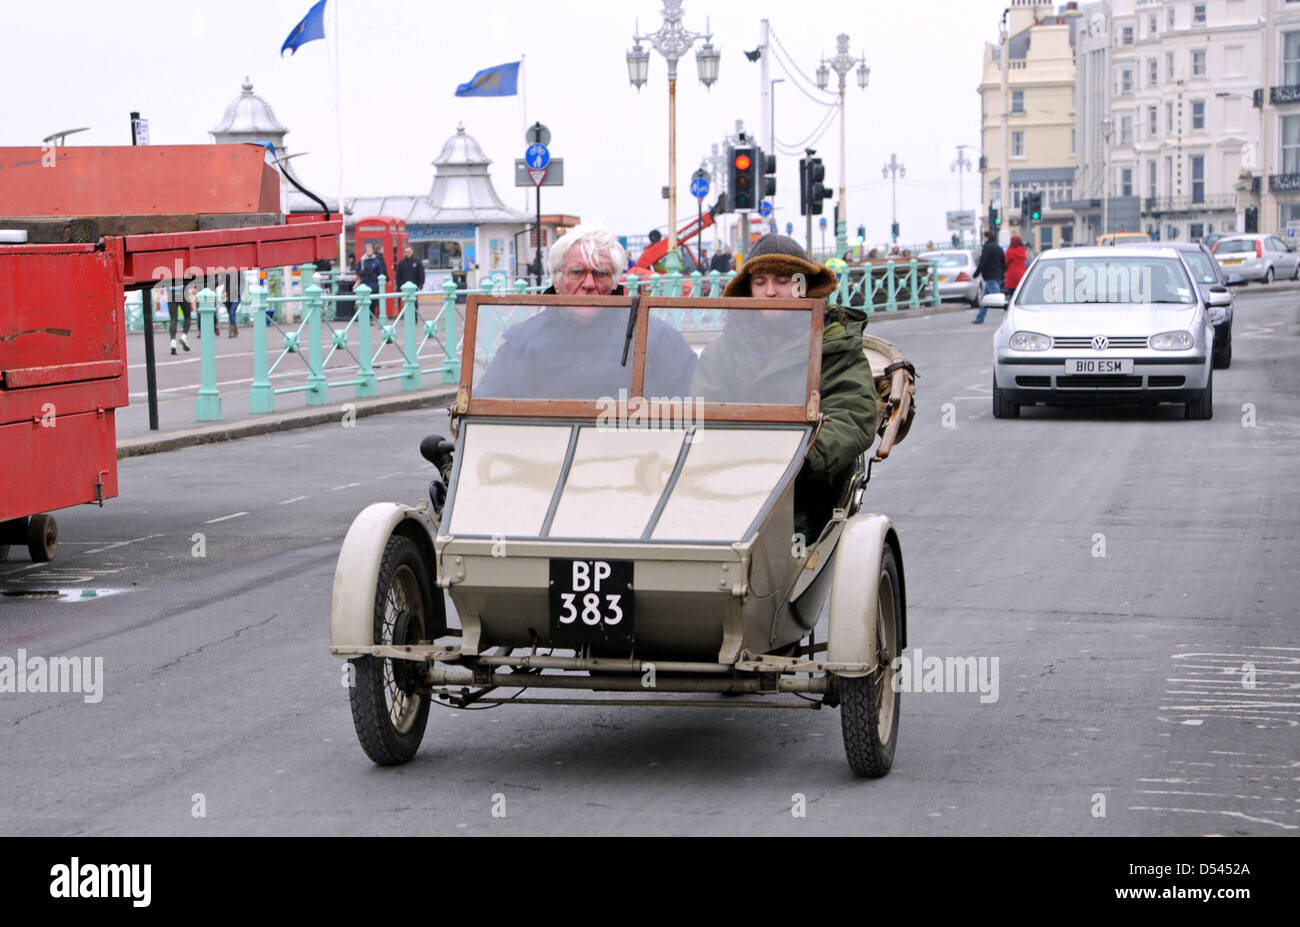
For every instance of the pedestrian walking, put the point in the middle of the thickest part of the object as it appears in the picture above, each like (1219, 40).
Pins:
(410, 270)
(992, 267)
(1015, 264)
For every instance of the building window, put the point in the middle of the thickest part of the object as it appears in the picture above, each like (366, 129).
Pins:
(1151, 24)
(1017, 144)
(1169, 18)
(1198, 63)
(1125, 82)
(1153, 72)
(1198, 114)
(1169, 175)
(1169, 118)
(1291, 144)
(1126, 130)
(1196, 163)
(1151, 179)
(1126, 181)
(1126, 35)
(1169, 65)
(1067, 235)
(1171, 232)
(1198, 14)
(1291, 58)
(1153, 128)
(1017, 101)
(1046, 232)
(1196, 231)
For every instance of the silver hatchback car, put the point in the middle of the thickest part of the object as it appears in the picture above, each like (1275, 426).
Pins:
(1259, 258)
(1105, 325)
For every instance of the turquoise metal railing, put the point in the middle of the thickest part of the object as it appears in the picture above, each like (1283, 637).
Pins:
(888, 286)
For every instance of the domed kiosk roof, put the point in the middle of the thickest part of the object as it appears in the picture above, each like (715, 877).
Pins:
(248, 114)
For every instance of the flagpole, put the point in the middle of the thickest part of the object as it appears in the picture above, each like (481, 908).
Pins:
(523, 97)
(338, 134)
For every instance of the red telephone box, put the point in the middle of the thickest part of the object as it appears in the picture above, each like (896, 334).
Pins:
(389, 237)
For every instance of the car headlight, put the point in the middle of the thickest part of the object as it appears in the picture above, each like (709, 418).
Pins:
(1172, 341)
(1029, 341)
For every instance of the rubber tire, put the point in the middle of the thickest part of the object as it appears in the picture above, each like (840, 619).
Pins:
(375, 695)
(870, 741)
(4, 552)
(1268, 276)
(1202, 408)
(42, 538)
(1223, 359)
(1002, 407)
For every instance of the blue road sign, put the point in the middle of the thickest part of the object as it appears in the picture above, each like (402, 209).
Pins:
(537, 156)
(765, 209)
(700, 187)
(821, 223)
(789, 228)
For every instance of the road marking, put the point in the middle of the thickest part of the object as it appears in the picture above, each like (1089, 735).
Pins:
(213, 521)
(187, 360)
(291, 501)
(344, 486)
(100, 550)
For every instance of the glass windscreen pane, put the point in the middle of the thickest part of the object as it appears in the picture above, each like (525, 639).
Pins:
(553, 352)
(946, 259)
(1234, 247)
(745, 355)
(1091, 281)
(1201, 266)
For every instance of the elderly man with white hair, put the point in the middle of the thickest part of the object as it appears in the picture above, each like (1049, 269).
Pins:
(575, 352)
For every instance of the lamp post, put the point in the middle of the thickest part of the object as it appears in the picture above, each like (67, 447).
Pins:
(672, 41)
(892, 171)
(1107, 126)
(962, 163)
(842, 63)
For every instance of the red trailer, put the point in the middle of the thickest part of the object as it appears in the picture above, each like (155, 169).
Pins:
(100, 221)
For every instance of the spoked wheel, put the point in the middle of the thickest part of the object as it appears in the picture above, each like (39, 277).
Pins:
(388, 710)
(868, 704)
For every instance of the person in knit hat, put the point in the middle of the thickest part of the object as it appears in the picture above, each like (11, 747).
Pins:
(763, 350)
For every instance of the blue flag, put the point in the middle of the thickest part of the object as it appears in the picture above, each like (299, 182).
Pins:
(500, 81)
(312, 27)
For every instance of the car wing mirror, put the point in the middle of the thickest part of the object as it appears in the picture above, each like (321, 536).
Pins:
(994, 300)
(1219, 296)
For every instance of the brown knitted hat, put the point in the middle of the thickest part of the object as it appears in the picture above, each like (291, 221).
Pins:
(777, 254)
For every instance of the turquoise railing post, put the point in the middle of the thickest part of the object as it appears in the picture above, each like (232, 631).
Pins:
(914, 299)
(656, 284)
(451, 369)
(521, 286)
(715, 288)
(208, 404)
(410, 340)
(934, 283)
(891, 302)
(696, 291)
(632, 284)
(365, 357)
(317, 387)
(842, 289)
(261, 398)
(382, 305)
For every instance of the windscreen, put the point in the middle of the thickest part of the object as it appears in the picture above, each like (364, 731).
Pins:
(1234, 247)
(948, 258)
(1106, 280)
(1202, 266)
(749, 356)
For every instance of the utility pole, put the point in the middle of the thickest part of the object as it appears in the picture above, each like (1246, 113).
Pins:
(1004, 199)
(962, 163)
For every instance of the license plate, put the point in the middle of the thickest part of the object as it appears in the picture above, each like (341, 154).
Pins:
(1098, 365)
(944, 278)
(591, 601)
(1233, 260)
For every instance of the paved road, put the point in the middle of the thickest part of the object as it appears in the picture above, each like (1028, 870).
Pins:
(1120, 676)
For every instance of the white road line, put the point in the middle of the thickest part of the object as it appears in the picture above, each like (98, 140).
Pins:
(189, 360)
(344, 486)
(213, 521)
(291, 501)
(99, 550)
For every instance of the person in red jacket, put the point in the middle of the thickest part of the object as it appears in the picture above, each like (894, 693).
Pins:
(1015, 263)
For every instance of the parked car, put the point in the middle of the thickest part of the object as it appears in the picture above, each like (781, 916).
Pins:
(1257, 257)
(957, 281)
(1210, 277)
(1105, 325)
(1122, 238)
(1210, 239)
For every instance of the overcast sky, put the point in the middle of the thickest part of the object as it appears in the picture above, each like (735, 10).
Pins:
(89, 63)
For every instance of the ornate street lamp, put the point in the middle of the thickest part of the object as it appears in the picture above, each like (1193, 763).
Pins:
(891, 172)
(673, 41)
(841, 64)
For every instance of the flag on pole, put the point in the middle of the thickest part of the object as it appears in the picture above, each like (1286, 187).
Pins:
(500, 81)
(312, 27)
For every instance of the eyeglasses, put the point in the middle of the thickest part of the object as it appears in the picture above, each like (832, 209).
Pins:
(578, 274)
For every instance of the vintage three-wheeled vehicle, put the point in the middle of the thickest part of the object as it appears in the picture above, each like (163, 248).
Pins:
(619, 512)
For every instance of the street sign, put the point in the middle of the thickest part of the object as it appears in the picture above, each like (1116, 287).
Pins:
(554, 173)
(537, 156)
(700, 187)
(821, 223)
(537, 176)
(1293, 230)
(789, 228)
(959, 220)
(537, 134)
(141, 129)
(765, 209)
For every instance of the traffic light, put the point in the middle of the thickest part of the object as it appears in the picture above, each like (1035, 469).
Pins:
(893, 230)
(769, 173)
(862, 232)
(811, 189)
(995, 219)
(742, 168)
(1035, 207)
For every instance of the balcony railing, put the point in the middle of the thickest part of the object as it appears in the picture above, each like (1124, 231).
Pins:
(1287, 94)
(1159, 205)
(1283, 183)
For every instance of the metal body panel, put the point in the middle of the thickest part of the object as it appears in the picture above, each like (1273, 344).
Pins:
(352, 601)
(855, 582)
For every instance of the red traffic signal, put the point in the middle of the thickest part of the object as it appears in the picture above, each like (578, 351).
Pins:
(742, 161)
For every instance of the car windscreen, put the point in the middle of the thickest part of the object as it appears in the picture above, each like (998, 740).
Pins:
(947, 258)
(1106, 279)
(745, 356)
(1236, 246)
(1202, 266)
(570, 352)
